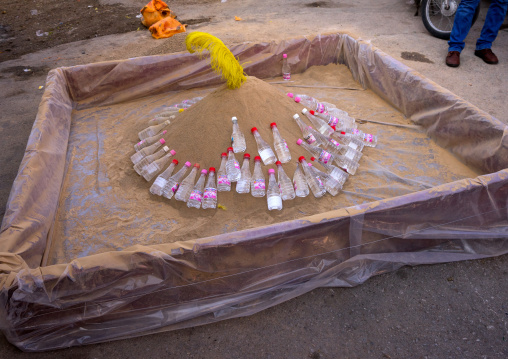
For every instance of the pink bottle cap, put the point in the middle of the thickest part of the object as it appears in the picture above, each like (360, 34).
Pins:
(299, 142)
(140, 142)
(230, 149)
(196, 165)
(301, 158)
(173, 152)
(284, 56)
(257, 158)
(298, 99)
(175, 162)
(224, 154)
(273, 124)
(278, 163)
(309, 164)
(271, 170)
(253, 129)
(211, 169)
(204, 172)
(290, 94)
(188, 164)
(246, 156)
(164, 132)
(162, 141)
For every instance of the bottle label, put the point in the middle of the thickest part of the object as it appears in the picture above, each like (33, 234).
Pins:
(265, 154)
(324, 157)
(237, 165)
(335, 143)
(310, 139)
(196, 195)
(333, 121)
(175, 187)
(356, 131)
(286, 76)
(285, 144)
(368, 138)
(210, 193)
(353, 145)
(160, 182)
(274, 202)
(259, 184)
(223, 179)
(320, 107)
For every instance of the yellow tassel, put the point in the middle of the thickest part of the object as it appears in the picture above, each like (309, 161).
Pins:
(221, 59)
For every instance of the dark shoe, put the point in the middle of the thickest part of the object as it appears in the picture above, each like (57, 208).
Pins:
(487, 55)
(453, 59)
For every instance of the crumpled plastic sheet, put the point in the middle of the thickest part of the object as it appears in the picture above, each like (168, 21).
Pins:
(145, 289)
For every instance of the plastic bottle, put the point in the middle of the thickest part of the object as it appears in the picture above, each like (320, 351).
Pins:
(223, 183)
(196, 196)
(308, 132)
(232, 166)
(183, 106)
(210, 195)
(152, 130)
(367, 138)
(147, 151)
(338, 149)
(351, 141)
(273, 196)
(315, 183)
(311, 103)
(299, 183)
(168, 112)
(243, 184)
(187, 185)
(161, 180)
(340, 175)
(286, 186)
(174, 181)
(340, 122)
(156, 166)
(280, 145)
(286, 70)
(157, 120)
(331, 185)
(149, 141)
(346, 164)
(321, 155)
(320, 124)
(264, 149)
(237, 137)
(138, 167)
(258, 179)
(192, 101)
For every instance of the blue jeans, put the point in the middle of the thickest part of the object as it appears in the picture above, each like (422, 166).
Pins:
(464, 20)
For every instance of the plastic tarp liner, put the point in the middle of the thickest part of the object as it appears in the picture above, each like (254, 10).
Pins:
(145, 289)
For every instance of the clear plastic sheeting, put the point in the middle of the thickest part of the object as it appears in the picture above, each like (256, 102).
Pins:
(144, 289)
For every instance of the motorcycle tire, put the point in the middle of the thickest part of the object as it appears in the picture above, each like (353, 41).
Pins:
(438, 21)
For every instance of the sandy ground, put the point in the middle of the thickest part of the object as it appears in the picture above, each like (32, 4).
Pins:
(457, 310)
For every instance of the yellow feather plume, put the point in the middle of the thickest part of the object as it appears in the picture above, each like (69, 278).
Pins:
(221, 59)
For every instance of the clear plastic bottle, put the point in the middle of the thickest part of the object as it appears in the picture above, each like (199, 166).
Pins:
(182, 106)
(162, 179)
(138, 167)
(237, 137)
(321, 155)
(338, 149)
(223, 183)
(320, 124)
(315, 183)
(280, 145)
(340, 175)
(264, 149)
(210, 195)
(232, 166)
(346, 164)
(311, 103)
(187, 185)
(258, 179)
(149, 141)
(196, 196)
(286, 186)
(341, 122)
(299, 183)
(152, 130)
(308, 133)
(243, 184)
(160, 119)
(168, 112)
(286, 70)
(192, 101)
(351, 141)
(150, 171)
(147, 151)
(367, 138)
(174, 181)
(331, 185)
(273, 196)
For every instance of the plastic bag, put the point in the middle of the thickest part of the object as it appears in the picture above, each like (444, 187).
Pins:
(155, 11)
(166, 27)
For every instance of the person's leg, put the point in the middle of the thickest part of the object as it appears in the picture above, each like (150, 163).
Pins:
(462, 24)
(493, 21)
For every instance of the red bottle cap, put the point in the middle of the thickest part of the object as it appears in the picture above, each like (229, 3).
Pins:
(301, 158)
(253, 129)
(273, 124)
(246, 156)
(342, 132)
(278, 163)
(175, 162)
(334, 128)
(230, 149)
(224, 154)
(312, 112)
(257, 158)
(312, 158)
(196, 165)
(211, 169)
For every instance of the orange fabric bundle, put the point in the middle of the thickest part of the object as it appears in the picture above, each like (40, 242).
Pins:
(166, 27)
(155, 11)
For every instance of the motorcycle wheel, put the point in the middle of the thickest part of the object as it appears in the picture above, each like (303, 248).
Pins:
(438, 20)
